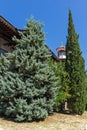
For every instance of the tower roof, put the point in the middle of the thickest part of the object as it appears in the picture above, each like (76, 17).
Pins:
(61, 48)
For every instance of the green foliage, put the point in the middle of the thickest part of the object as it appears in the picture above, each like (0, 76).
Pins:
(28, 85)
(62, 79)
(76, 70)
(86, 78)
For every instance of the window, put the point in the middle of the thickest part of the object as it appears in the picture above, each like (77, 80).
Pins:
(62, 55)
(2, 52)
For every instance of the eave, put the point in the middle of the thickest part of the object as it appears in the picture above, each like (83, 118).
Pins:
(7, 30)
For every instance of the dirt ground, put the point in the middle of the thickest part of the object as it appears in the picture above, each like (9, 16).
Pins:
(55, 122)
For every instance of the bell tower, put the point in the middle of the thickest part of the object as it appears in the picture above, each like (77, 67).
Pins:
(61, 53)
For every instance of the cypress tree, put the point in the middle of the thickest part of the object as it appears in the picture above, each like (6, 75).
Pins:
(27, 83)
(76, 70)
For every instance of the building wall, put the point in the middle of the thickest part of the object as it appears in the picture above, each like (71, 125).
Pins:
(5, 45)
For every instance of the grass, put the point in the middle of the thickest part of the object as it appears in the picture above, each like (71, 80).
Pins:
(55, 122)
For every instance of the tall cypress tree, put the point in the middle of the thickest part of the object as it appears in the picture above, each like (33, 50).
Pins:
(27, 83)
(76, 70)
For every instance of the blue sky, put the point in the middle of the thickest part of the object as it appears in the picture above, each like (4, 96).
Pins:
(53, 14)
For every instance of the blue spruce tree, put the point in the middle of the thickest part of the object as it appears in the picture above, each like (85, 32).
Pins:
(27, 83)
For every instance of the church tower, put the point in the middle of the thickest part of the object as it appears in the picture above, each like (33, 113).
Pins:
(61, 53)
